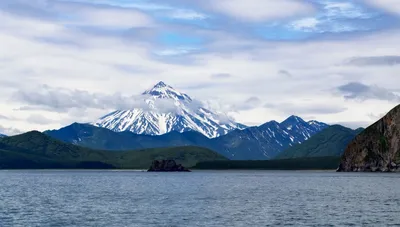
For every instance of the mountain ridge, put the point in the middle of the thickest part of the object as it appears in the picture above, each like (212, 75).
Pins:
(331, 141)
(253, 143)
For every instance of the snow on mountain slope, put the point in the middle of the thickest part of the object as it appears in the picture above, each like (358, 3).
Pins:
(268, 140)
(300, 129)
(164, 109)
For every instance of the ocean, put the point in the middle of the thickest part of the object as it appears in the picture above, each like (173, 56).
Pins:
(200, 198)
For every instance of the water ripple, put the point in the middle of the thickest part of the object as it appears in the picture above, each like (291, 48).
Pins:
(205, 198)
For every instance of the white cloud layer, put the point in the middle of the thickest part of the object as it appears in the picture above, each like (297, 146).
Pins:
(113, 18)
(89, 72)
(261, 10)
(305, 24)
(388, 5)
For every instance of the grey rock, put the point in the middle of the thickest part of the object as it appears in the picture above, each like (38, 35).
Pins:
(377, 148)
(166, 166)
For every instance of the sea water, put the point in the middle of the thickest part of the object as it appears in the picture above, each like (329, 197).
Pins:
(199, 198)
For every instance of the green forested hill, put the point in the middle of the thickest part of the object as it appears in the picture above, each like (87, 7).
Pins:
(36, 150)
(253, 143)
(330, 142)
(316, 163)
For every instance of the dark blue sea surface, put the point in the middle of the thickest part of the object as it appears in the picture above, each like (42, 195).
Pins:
(203, 198)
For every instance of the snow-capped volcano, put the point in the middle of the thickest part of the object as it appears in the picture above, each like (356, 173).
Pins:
(163, 109)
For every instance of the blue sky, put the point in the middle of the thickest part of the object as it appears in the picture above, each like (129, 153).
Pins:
(329, 60)
(184, 24)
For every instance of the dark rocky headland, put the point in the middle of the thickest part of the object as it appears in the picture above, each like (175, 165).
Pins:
(166, 166)
(376, 149)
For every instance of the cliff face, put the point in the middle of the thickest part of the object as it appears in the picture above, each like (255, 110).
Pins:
(377, 148)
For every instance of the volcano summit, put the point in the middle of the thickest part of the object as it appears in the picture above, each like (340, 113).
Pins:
(164, 110)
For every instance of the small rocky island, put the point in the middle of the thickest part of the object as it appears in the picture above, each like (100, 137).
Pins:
(166, 166)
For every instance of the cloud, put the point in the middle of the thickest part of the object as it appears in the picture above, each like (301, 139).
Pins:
(4, 117)
(306, 108)
(337, 17)
(9, 131)
(250, 103)
(221, 76)
(112, 18)
(392, 6)
(261, 10)
(344, 9)
(176, 51)
(39, 119)
(162, 9)
(353, 124)
(305, 24)
(93, 67)
(374, 61)
(376, 117)
(61, 99)
(285, 73)
(79, 13)
(187, 14)
(362, 92)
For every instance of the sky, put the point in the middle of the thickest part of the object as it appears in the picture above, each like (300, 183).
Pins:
(65, 61)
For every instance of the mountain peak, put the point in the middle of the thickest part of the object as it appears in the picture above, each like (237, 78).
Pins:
(270, 124)
(168, 110)
(296, 125)
(163, 91)
(160, 84)
(293, 119)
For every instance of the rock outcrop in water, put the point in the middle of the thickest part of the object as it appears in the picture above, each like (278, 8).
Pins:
(166, 166)
(377, 148)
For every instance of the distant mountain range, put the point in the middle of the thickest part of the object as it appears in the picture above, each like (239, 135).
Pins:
(37, 150)
(168, 123)
(165, 117)
(330, 142)
(162, 109)
(253, 143)
(2, 135)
